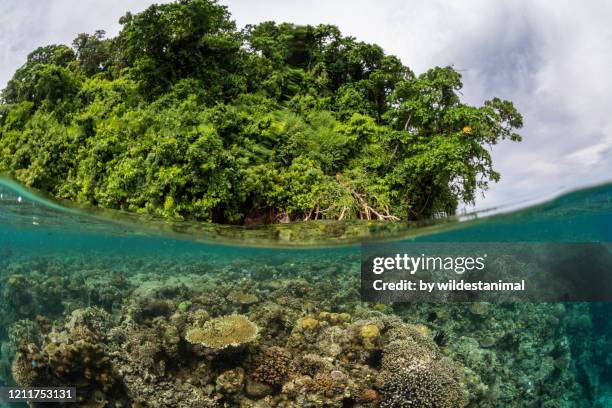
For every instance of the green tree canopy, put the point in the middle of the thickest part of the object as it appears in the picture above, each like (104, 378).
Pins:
(183, 115)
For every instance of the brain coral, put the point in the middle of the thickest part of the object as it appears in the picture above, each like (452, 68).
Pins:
(222, 332)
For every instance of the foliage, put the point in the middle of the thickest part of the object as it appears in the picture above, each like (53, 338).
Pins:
(184, 116)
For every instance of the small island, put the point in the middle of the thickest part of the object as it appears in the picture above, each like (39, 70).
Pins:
(183, 115)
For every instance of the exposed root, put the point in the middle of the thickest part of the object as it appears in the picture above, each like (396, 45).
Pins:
(368, 210)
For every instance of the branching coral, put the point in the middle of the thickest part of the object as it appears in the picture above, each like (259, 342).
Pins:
(76, 358)
(420, 386)
(24, 368)
(273, 366)
(415, 374)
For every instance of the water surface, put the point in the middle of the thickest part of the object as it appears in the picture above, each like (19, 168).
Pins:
(63, 267)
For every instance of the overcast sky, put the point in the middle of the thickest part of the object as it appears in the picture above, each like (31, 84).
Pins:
(552, 59)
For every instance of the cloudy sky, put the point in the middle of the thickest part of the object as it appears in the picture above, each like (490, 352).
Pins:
(552, 59)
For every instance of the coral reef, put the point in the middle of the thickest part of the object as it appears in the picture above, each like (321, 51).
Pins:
(73, 354)
(280, 332)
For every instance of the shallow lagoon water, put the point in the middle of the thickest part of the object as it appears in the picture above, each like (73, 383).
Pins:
(139, 279)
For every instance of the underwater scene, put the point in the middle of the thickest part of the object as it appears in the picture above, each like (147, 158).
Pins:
(142, 313)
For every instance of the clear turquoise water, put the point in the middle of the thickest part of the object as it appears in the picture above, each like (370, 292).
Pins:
(577, 341)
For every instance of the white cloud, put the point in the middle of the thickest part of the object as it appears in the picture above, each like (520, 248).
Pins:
(551, 58)
(28, 24)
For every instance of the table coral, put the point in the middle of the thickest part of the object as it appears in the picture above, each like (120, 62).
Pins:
(223, 332)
